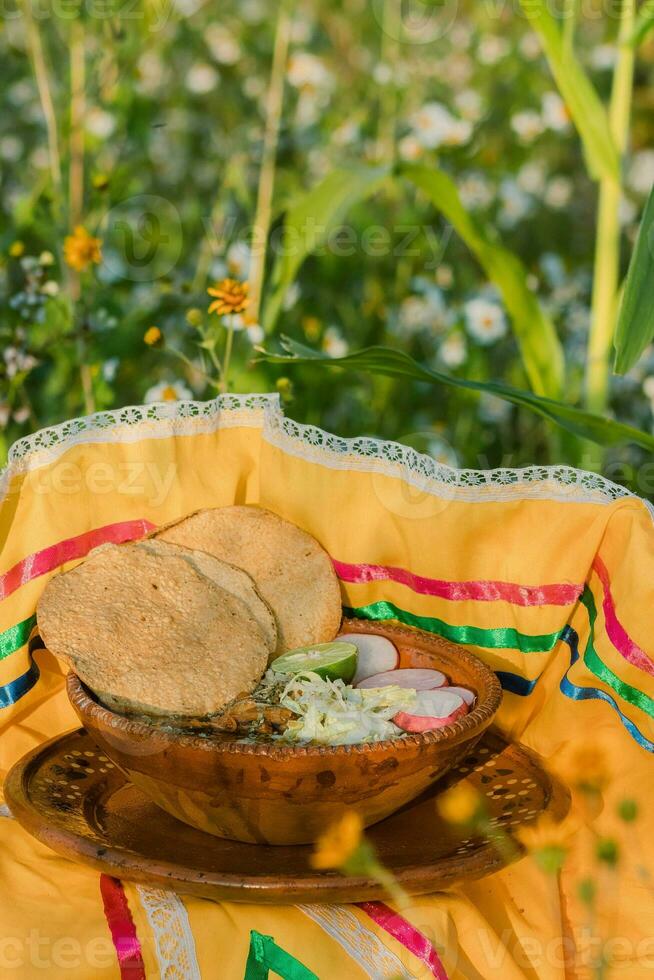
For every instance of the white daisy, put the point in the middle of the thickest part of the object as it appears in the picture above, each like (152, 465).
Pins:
(334, 344)
(516, 204)
(492, 49)
(409, 148)
(238, 258)
(485, 320)
(493, 409)
(433, 125)
(223, 45)
(475, 191)
(453, 351)
(527, 125)
(555, 112)
(559, 192)
(305, 70)
(167, 391)
(641, 172)
(201, 78)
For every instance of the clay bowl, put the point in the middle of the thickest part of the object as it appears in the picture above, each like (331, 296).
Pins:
(266, 793)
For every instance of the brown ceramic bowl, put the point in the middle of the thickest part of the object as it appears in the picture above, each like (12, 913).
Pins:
(279, 794)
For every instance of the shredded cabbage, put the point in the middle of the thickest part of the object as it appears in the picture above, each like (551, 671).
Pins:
(334, 713)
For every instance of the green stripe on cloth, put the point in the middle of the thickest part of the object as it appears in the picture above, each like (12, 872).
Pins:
(16, 636)
(502, 638)
(597, 667)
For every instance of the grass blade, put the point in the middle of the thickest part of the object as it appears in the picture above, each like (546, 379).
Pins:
(540, 349)
(635, 329)
(396, 364)
(577, 91)
(310, 220)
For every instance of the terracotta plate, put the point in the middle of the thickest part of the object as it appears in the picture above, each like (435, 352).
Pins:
(72, 798)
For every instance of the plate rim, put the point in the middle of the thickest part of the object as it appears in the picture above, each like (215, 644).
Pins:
(313, 886)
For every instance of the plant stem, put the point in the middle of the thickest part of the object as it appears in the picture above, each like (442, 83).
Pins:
(76, 186)
(273, 113)
(570, 18)
(77, 113)
(607, 245)
(389, 56)
(224, 386)
(45, 96)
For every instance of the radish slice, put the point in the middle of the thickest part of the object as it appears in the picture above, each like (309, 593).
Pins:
(417, 678)
(468, 696)
(376, 654)
(433, 709)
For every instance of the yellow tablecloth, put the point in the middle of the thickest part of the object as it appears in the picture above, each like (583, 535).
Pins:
(546, 573)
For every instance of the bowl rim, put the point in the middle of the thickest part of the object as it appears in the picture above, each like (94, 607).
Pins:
(87, 705)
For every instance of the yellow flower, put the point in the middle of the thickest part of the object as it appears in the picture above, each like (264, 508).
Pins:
(153, 336)
(548, 840)
(459, 804)
(548, 832)
(338, 843)
(311, 327)
(16, 249)
(590, 768)
(169, 394)
(81, 249)
(231, 296)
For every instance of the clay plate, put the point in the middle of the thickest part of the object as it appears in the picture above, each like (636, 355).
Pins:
(70, 796)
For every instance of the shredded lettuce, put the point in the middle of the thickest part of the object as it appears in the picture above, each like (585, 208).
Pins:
(334, 713)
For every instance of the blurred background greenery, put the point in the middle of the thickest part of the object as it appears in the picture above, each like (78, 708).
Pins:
(143, 124)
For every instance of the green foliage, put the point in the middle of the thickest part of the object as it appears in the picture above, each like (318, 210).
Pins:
(588, 113)
(484, 273)
(540, 349)
(635, 329)
(394, 363)
(309, 221)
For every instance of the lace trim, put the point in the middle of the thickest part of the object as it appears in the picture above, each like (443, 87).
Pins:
(165, 419)
(173, 937)
(365, 948)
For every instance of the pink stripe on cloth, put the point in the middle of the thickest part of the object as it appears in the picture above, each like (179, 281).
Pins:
(42, 562)
(122, 929)
(406, 934)
(562, 594)
(615, 631)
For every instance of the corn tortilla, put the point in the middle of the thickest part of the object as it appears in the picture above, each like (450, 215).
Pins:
(149, 634)
(290, 569)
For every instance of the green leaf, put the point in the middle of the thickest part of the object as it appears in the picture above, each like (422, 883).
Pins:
(635, 328)
(540, 349)
(644, 23)
(397, 364)
(309, 222)
(588, 113)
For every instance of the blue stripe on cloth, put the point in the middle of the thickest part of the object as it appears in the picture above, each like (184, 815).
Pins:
(12, 692)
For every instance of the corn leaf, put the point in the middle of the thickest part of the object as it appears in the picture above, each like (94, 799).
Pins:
(588, 113)
(540, 349)
(397, 364)
(309, 222)
(644, 23)
(635, 328)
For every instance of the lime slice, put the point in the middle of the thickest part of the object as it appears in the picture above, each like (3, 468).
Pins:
(329, 660)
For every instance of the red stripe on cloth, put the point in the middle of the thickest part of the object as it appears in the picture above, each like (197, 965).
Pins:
(615, 631)
(556, 594)
(406, 934)
(42, 562)
(122, 929)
